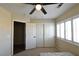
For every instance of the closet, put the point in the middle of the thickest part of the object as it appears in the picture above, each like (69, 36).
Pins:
(39, 35)
(30, 35)
(49, 35)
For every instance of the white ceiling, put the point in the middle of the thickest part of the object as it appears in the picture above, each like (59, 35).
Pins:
(24, 9)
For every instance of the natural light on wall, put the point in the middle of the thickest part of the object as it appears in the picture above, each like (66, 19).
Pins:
(76, 30)
(58, 30)
(62, 30)
(68, 30)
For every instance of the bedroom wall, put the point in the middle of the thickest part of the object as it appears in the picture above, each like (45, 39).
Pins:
(42, 20)
(64, 45)
(7, 19)
(5, 32)
(20, 18)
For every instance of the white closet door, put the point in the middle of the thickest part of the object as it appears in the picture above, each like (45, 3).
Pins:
(39, 33)
(49, 35)
(30, 35)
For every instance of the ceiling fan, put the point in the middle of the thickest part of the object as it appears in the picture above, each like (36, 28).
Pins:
(39, 6)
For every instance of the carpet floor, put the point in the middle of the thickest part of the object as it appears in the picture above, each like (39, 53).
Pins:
(35, 51)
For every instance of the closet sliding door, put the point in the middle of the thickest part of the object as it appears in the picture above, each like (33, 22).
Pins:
(45, 35)
(49, 35)
(39, 35)
(30, 35)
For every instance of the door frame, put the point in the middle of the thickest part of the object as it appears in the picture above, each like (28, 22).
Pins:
(12, 34)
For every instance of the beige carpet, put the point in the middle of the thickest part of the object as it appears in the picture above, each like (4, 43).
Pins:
(35, 51)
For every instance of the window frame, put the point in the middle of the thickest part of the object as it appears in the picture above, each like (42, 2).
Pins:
(65, 20)
(63, 30)
(75, 17)
(59, 30)
(71, 29)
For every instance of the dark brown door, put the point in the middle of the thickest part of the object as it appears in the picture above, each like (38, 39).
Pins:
(19, 37)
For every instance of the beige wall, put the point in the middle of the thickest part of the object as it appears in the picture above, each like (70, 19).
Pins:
(42, 20)
(63, 45)
(5, 32)
(20, 18)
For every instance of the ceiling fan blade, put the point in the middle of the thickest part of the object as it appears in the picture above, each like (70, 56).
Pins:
(48, 3)
(32, 11)
(60, 5)
(43, 10)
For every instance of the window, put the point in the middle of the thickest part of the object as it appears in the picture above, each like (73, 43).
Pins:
(62, 30)
(68, 30)
(76, 30)
(58, 30)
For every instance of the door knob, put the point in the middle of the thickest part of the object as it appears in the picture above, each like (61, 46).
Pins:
(34, 36)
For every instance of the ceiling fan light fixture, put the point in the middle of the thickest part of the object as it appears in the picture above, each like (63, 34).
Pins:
(38, 7)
